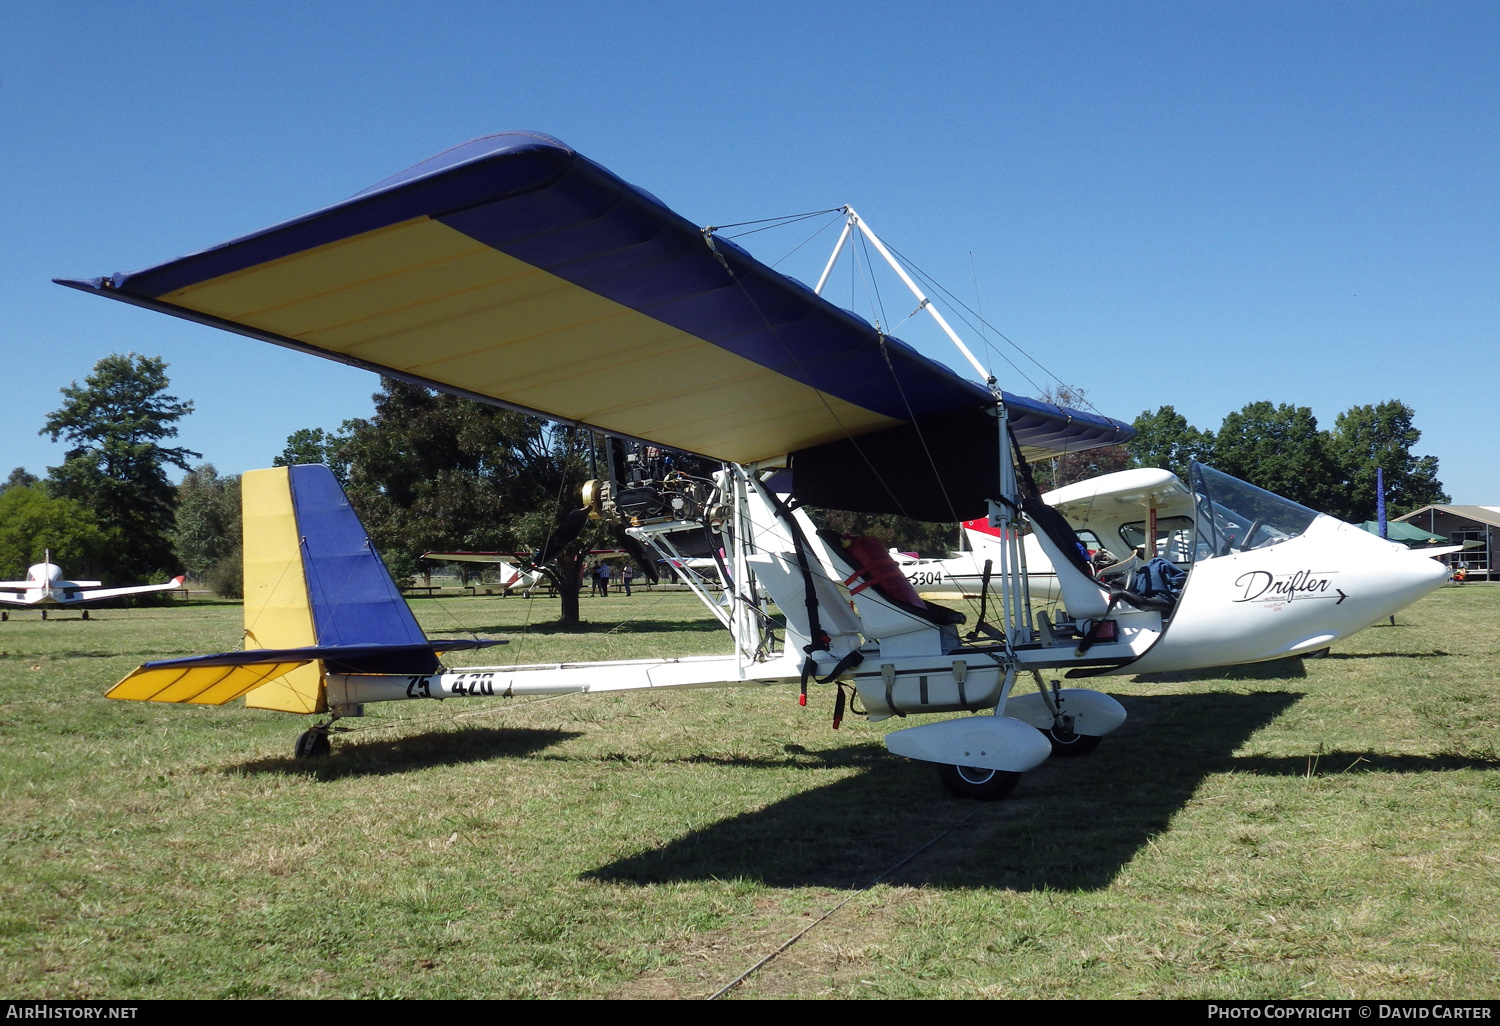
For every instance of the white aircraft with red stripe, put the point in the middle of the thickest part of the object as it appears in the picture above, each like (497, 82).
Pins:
(1119, 518)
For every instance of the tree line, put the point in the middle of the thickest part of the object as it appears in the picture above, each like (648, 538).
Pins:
(1281, 449)
(429, 471)
(426, 471)
(1276, 447)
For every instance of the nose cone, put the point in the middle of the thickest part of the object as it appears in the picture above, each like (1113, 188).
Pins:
(1411, 576)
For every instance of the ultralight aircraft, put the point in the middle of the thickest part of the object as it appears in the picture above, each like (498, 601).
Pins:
(518, 272)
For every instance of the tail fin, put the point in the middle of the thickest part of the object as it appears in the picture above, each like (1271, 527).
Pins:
(317, 599)
(312, 578)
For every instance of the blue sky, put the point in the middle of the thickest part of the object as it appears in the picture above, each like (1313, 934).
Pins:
(1198, 204)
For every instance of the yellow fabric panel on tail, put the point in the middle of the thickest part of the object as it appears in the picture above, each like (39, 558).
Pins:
(206, 685)
(277, 613)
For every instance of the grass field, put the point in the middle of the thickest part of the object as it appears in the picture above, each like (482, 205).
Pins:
(1318, 829)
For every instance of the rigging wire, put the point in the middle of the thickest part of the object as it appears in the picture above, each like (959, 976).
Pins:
(805, 376)
(877, 307)
(783, 224)
(955, 302)
(826, 915)
(874, 285)
(829, 224)
(781, 220)
(978, 325)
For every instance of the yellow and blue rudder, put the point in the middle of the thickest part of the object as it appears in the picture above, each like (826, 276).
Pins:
(318, 599)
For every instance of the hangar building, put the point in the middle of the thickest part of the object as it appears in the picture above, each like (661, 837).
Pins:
(1465, 524)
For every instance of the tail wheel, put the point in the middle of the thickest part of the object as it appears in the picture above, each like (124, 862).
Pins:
(313, 744)
(1066, 743)
(978, 783)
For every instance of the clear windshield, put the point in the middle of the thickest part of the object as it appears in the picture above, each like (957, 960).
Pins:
(1234, 516)
(1174, 538)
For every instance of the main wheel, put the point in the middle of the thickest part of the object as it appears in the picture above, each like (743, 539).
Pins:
(312, 744)
(976, 782)
(1066, 743)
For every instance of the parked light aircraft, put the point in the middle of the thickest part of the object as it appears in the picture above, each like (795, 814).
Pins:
(516, 271)
(512, 574)
(518, 571)
(1122, 519)
(46, 588)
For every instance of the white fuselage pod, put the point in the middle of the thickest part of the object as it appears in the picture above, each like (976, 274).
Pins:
(1290, 598)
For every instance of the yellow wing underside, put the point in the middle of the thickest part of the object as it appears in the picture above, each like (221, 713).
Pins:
(425, 299)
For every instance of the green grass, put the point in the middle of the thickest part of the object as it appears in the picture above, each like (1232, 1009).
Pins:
(1317, 829)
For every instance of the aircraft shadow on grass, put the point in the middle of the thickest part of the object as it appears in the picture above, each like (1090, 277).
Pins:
(1276, 669)
(1071, 824)
(416, 752)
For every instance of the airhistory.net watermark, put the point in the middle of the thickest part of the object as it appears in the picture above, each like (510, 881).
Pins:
(57, 1010)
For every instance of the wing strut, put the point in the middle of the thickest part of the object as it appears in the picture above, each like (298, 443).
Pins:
(852, 220)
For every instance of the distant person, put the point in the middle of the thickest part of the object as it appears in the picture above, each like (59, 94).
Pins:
(593, 580)
(626, 573)
(604, 580)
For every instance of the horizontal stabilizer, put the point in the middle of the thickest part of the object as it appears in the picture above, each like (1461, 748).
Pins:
(207, 685)
(216, 679)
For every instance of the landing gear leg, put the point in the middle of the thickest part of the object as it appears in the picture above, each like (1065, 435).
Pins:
(313, 743)
(985, 785)
(1065, 742)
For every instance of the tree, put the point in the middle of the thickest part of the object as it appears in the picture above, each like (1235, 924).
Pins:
(208, 533)
(116, 466)
(1365, 438)
(1165, 439)
(1072, 467)
(434, 471)
(18, 479)
(32, 522)
(895, 532)
(1069, 467)
(1280, 449)
(314, 445)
